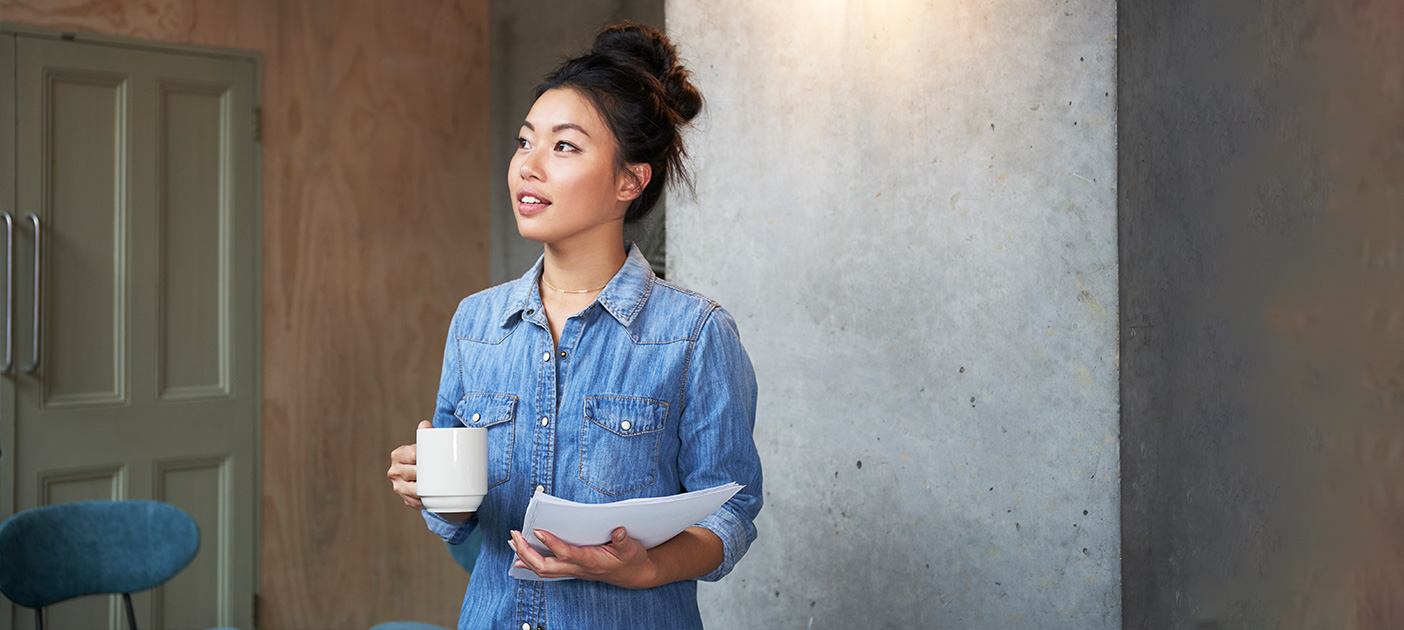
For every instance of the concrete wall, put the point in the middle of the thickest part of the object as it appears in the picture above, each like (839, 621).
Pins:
(910, 208)
(528, 39)
(1262, 184)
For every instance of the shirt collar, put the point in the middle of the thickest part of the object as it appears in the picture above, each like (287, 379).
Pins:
(623, 297)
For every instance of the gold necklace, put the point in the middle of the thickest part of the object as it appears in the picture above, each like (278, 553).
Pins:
(548, 285)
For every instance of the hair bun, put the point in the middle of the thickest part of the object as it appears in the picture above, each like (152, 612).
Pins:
(648, 49)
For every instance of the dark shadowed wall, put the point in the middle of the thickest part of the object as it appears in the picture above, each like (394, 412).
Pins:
(1261, 243)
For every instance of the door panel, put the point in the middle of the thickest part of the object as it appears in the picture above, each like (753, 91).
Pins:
(141, 167)
(200, 486)
(85, 198)
(194, 240)
(91, 483)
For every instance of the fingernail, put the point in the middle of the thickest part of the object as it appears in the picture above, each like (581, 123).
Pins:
(539, 537)
(619, 535)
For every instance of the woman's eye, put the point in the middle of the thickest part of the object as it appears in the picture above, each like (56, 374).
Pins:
(566, 146)
(521, 142)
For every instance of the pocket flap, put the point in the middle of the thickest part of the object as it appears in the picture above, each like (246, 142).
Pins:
(484, 410)
(626, 416)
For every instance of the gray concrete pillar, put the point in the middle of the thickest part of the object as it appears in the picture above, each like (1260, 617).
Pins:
(910, 208)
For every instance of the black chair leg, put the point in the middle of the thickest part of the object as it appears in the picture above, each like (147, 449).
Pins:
(131, 618)
(39, 619)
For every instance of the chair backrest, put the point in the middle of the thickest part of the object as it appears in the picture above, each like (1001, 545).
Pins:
(58, 552)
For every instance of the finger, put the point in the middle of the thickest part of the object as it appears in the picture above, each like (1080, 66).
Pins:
(407, 489)
(402, 472)
(406, 472)
(622, 542)
(405, 454)
(410, 498)
(425, 424)
(622, 548)
(527, 557)
(524, 550)
(547, 566)
(516, 560)
(563, 551)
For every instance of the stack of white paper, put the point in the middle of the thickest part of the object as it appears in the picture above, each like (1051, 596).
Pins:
(651, 521)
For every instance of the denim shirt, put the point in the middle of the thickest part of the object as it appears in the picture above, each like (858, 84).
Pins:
(648, 394)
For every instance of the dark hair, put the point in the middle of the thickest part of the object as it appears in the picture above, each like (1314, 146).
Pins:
(633, 77)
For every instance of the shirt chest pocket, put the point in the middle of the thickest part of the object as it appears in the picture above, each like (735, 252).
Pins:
(619, 443)
(493, 412)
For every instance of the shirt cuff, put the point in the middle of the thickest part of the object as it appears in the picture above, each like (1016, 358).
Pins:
(453, 533)
(736, 536)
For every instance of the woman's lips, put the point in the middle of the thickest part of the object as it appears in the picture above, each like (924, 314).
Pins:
(529, 203)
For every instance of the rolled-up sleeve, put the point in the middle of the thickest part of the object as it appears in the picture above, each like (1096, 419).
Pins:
(453, 533)
(716, 431)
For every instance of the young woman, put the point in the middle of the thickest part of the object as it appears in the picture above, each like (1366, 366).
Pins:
(596, 380)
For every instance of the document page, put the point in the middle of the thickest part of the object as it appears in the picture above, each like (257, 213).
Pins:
(651, 521)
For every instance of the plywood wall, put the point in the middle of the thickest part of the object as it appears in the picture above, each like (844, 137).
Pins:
(375, 224)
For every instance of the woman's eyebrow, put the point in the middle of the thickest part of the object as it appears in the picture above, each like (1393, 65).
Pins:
(558, 128)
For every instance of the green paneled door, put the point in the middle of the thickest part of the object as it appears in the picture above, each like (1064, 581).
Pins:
(138, 379)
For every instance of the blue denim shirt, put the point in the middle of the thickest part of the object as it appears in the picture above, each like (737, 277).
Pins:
(649, 394)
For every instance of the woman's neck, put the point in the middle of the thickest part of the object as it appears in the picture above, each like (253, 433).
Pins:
(575, 266)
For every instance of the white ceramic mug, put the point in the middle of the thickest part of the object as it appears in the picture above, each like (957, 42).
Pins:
(451, 468)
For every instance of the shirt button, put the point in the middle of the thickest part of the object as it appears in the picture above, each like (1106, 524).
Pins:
(545, 356)
(540, 488)
(625, 425)
(526, 626)
(564, 354)
(545, 421)
(530, 311)
(477, 417)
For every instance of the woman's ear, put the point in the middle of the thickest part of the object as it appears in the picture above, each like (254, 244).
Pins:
(633, 181)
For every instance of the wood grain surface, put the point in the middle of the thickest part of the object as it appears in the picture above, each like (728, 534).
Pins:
(375, 224)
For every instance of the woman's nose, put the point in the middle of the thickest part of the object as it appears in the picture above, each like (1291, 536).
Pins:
(529, 168)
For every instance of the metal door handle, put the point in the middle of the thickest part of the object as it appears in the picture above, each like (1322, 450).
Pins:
(38, 294)
(9, 292)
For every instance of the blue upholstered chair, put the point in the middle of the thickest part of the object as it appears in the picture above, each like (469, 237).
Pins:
(58, 552)
(466, 555)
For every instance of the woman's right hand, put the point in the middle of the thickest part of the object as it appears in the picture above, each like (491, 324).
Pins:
(403, 477)
(402, 471)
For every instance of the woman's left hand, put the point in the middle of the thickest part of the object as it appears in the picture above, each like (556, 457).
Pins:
(622, 561)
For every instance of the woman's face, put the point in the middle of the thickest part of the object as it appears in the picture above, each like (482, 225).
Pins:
(563, 177)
